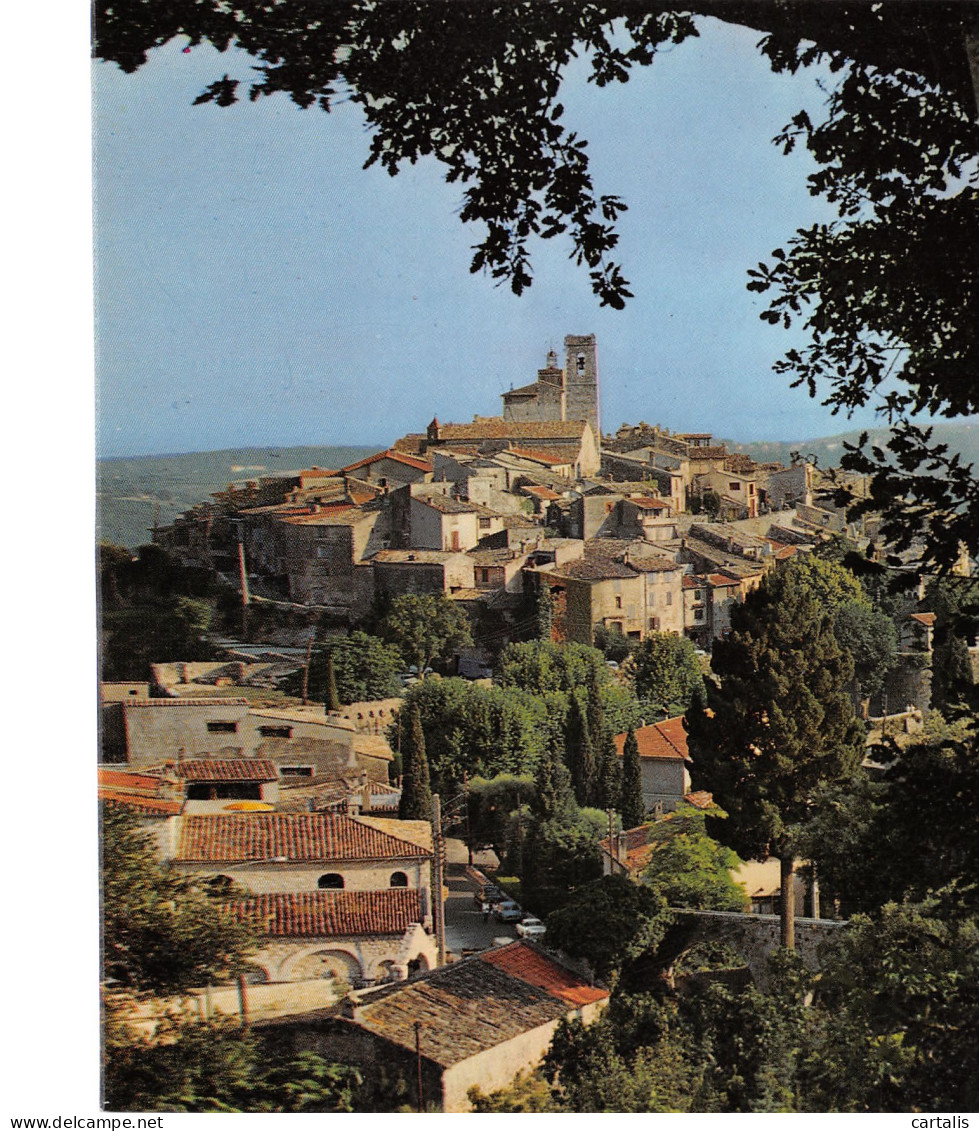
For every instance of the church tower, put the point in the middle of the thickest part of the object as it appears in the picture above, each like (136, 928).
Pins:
(581, 381)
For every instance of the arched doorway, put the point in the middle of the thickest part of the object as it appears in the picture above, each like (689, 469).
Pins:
(335, 965)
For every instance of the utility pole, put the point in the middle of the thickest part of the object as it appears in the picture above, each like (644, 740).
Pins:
(418, 1062)
(438, 844)
(309, 652)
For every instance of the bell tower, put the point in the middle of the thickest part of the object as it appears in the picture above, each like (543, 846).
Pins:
(581, 381)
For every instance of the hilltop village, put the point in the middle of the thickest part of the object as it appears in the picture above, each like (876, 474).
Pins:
(433, 946)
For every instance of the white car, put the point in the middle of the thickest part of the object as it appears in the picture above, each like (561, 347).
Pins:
(530, 928)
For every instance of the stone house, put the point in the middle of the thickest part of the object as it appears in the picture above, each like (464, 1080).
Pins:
(664, 757)
(440, 522)
(153, 731)
(574, 441)
(211, 783)
(725, 593)
(622, 586)
(390, 468)
(272, 853)
(917, 633)
(697, 609)
(350, 936)
(422, 571)
(479, 1022)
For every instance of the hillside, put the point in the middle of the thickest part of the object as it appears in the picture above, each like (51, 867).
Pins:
(963, 438)
(133, 492)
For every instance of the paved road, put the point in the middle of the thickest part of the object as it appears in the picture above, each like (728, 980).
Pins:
(464, 926)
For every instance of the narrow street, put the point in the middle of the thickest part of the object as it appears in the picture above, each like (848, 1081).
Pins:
(464, 926)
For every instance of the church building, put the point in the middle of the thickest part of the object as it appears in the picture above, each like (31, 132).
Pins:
(570, 393)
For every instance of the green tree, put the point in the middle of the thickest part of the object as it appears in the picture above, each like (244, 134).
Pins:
(579, 753)
(689, 868)
(666, 672)
(631, 805)
(870, 638)
(780, 729)
(162, 933)
(426, 628)
(492, 802)
(608, 923)
(527, 1092)
(416, 792)
(560, 855)
(544, 666)
(604, 791)
(553, 791)
(898, 995)
(214, 1067)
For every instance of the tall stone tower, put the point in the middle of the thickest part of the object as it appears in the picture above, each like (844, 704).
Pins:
(581, 381)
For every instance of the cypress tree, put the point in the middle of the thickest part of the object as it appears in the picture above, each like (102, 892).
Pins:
(604, 788)
(553, 794)
(631, 803)
(579, 753)
(416, 791)
(780, 729)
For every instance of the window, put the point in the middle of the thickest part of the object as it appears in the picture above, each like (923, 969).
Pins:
(484, 524)
(618, 602)
(224, 791)
(698, 614)
(222, 728)
(669, 598)
(296, 771)
(734, 486)
(332, 881)
(275, 732)
(581, 362)
(399, 880)
(654, 624)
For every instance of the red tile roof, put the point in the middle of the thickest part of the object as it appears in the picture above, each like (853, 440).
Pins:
(139, 801)
(495, 427)
(667, 739)
(719, 581)
(692, 582)
(648, 503)
(126, 779)
(551, 457)
(540, 492)
(292, 837)
(320, 914)
(524, 961)
(393, 454)
(700, 799)
(927, 619)
(227, 769)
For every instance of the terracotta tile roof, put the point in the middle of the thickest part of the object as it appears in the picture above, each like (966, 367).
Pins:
(227, 769)
(648, 503)
(667, 739)
(523, 391)
(393, 454)
(927, 619)
(444, 504)
(691, 581)
(126, 779)
(552, 458)
(496, 428)
(540, 492)
(160, 805)
(524, 961)
(318, 914)
(719, 581)
(700, 799)
(653, 564)
(288, 837)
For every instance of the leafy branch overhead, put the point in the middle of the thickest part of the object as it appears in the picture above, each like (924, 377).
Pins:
(888, 293)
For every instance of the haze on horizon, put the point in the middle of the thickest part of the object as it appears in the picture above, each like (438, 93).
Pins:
(256, 287)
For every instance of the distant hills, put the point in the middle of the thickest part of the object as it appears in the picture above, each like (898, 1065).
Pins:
(134, 492)
(960, 437)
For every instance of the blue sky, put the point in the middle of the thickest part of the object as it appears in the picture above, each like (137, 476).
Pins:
(254, 285)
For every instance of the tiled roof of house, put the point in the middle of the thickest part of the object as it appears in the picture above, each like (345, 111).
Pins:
(288, 837)
(667, 739)
(719, 581)
(540, 492)
(161, 805)
(322, 914)
(465, 1008)
(648, 503)
(496, 428)
(927, 619)
(444, 504)
(653, 564)
(700, 799)
(692, 581)
(416, 462)
(526, 962)
(227, 769)
(420, 557)
(523, 391)
(126, 779)
(555, 457)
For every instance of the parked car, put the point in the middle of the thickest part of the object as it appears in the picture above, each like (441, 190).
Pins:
(530, 927)
(509, 912)
(488, 894)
